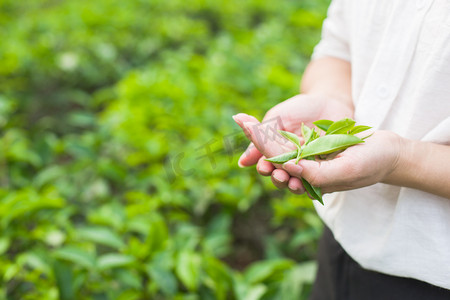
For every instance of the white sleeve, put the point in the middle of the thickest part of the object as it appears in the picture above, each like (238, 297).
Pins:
(335, 39)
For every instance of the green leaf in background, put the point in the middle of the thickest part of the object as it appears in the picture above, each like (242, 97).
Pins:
(296, 278)
(262, 270)
(255, 292)
(4, 244)
(164, 278)
(158, 233)
(218, 277)
(130, 277)
(244, 290)
(20, 204)
(48, 175)
(76, 255)
(65, 281)
(188, 269)
(36, 260)
(90, 189)
(114, 260)
(218, 238)
(100, 235)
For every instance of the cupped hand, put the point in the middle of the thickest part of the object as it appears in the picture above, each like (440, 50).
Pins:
(289, 116)
(358, 166)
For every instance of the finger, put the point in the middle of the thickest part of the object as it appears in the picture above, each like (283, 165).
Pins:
(280, 178)
(250, 156)
(266, 139)
(336, 172)
(241, 118)
(264, 167)
(293, 169)
(295, 186)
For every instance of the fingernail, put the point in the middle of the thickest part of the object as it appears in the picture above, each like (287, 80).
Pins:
(295, 189)
(277, 179)
(239, 117)
(240, 164)
(263, 170)
(243, 155)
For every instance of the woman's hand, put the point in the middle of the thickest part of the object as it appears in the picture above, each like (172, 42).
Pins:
(358, 166)
(289, 116)
(384, 157)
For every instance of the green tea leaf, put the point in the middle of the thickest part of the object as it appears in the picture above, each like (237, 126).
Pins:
(64, 280)
(299, 153)
(314, 135)
(314, 192)
(260, 271)
(330, 143)
(164, 279)
(256, 292)
(130, 278)
(363, 138)
(4, 244)
(76, 255)
(323, 124)
(101, 235)
(280, 159)
(358, 129)
(294, 281)
(188, 269)
(114, 260)
(306, 133)
(291, 137)
(341, 126)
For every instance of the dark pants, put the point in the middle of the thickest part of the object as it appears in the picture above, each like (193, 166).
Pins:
(339, 277)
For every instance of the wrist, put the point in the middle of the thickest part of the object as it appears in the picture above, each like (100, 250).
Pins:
(422, 166)
(405, 168)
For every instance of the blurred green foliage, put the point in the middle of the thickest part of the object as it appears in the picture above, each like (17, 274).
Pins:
(118, 154)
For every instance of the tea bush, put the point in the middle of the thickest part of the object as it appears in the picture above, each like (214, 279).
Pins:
(118, 154)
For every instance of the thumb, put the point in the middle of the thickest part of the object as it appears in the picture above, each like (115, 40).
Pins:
(266, 139)
(334, 172)
(250, 156)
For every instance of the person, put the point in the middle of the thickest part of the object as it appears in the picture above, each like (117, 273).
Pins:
(386, 210)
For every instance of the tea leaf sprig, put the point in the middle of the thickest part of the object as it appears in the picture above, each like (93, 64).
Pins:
(339, 135)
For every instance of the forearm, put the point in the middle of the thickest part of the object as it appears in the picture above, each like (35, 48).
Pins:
(424, 166)
(329, 77)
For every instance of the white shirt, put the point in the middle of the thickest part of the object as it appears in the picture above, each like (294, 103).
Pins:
(400, 57)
